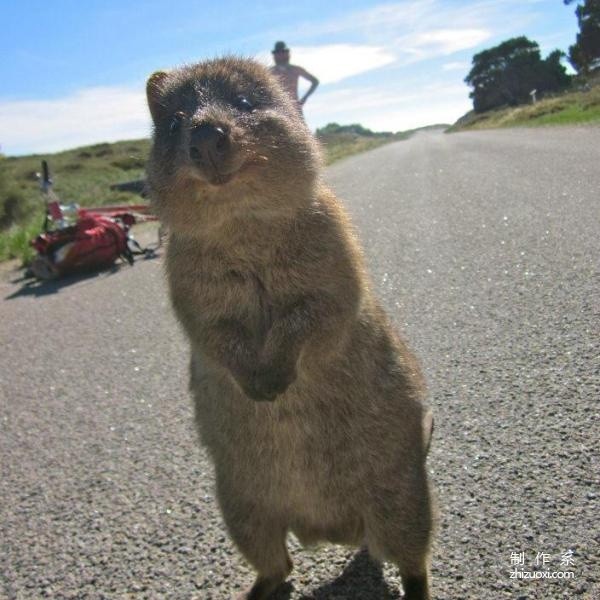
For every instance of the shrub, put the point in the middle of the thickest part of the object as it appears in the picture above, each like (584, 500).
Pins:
(128, 163)
(13, 206)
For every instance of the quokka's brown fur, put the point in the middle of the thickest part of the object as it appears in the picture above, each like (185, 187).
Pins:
(308, 402)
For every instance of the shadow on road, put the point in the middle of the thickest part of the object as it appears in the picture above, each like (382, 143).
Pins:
(362, 579)
(34, 287)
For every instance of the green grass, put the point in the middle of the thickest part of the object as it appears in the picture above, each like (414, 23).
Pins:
(570, 108)
(15, 242)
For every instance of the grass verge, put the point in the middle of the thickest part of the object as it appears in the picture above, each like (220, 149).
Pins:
(336, 149)
(571, 108)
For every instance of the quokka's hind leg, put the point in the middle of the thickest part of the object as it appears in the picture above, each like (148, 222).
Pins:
(264, 548)
(262, 542)
(399, 530)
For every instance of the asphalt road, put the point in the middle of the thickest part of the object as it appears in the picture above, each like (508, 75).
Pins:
(485, 250)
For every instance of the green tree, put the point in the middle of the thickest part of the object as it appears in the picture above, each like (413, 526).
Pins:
(584, 55)
(554, 76)
(506, 74)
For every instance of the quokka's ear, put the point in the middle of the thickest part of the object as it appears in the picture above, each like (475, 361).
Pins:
(154, 93)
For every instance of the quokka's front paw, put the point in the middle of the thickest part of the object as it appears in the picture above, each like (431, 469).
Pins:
(268, 382)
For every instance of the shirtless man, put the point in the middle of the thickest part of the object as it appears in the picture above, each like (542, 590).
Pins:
(289, 74)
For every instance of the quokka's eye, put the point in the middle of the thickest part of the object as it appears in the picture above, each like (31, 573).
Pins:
(243, 104)
(176, 122)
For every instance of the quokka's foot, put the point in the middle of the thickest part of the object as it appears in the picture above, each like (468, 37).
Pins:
(416, 588)
(261, 589)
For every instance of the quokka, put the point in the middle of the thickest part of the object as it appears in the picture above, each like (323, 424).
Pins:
(308, 402)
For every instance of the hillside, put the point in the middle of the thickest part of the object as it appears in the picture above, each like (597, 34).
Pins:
(569, 108)
(85, 175)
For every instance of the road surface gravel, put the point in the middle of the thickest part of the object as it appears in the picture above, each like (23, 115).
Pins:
(484, 247)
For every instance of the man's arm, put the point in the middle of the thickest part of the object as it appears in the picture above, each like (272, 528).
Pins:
(313, 81)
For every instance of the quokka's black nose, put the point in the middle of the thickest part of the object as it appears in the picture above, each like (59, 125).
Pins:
(209, 144)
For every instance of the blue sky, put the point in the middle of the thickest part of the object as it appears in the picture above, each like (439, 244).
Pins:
(73, 72)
